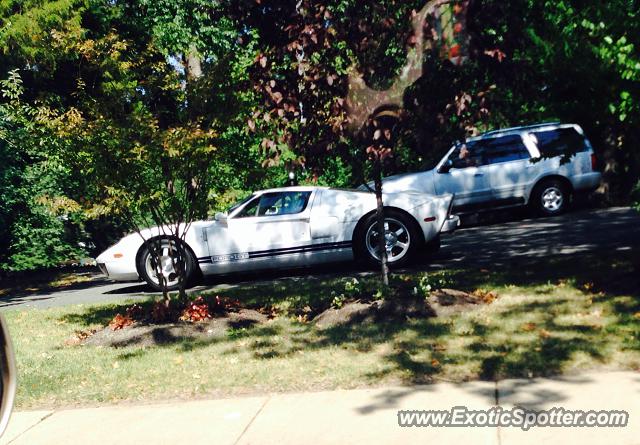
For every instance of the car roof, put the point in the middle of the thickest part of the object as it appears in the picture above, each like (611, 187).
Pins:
(296, 188)
(523, 129)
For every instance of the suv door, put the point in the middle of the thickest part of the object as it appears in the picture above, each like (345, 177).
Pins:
(509, 169)
(467, 178)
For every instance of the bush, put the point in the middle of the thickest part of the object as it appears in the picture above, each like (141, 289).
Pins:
(431, 282)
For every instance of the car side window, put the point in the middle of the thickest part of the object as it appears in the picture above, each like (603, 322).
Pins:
(277, 203)
(505, 149)
(563, 141)
(250, 209)
(467, 155)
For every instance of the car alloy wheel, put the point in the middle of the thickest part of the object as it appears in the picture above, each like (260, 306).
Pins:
(165, 265)
(397, 240)
(552, 199)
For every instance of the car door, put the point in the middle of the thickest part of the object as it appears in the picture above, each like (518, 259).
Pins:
(269, 227)
(509, 169)
(466, 178)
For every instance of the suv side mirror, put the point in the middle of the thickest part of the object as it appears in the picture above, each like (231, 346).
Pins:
(222, 217)
(446, 166)
(8, 370)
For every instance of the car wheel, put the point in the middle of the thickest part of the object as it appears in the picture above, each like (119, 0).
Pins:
(401, 235)
(550, 197)
(148, 268)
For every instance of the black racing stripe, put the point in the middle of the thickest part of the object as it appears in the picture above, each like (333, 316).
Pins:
(288, 250)
(302, 249)
(309, 246)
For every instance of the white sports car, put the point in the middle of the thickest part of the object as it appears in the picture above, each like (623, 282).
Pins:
(290, 227)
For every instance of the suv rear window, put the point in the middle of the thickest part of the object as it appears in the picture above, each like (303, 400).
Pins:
(563, 141)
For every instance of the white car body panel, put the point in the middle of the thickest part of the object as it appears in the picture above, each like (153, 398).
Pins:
(322, 232)
(509, 182)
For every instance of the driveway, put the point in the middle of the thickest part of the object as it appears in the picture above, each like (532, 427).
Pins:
(505, 242)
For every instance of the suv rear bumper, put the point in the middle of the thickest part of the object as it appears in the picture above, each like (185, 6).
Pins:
(586, 182)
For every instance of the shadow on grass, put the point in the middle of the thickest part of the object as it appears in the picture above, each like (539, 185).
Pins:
(553, 324)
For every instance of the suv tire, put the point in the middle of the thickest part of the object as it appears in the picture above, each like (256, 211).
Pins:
(550, 197)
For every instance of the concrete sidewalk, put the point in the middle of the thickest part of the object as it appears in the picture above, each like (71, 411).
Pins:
(365, 416)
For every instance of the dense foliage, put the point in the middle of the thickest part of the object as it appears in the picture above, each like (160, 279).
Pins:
(102, 98)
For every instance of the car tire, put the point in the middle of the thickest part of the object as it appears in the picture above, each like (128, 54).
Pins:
(405, 239)
(550, 197)
(145, 266)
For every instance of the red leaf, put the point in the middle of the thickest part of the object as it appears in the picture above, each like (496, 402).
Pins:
(120, 321)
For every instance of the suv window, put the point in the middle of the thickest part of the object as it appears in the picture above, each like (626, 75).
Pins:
(278, 203)
(466, 155)
(563, 141)
(504, 149)
(489, 151)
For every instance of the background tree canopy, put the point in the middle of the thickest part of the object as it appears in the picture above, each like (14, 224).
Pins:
(94, 91)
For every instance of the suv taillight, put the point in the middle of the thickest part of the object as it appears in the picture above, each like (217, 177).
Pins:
(594, 161)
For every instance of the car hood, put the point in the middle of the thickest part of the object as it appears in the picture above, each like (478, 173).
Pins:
(422, 182)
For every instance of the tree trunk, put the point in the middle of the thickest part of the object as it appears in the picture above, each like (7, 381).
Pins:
(384, 267)
(156, 252)
(193, 66)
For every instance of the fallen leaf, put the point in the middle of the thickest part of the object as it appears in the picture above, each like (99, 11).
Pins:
(120, 321)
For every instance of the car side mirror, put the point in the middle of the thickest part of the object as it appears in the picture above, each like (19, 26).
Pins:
(8, 369)
(222, 217)
(446, 166)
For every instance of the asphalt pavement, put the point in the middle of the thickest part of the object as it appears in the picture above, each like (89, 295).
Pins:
(504, 239)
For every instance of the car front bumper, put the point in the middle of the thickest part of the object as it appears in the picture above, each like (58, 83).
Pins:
(118, 272)
(451, 223)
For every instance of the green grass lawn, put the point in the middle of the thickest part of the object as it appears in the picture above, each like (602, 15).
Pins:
(565, 315)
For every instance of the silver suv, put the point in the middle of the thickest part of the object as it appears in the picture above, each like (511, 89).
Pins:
(538, 165)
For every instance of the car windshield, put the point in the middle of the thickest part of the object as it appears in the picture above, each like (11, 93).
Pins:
(239, 204)
(366, 188)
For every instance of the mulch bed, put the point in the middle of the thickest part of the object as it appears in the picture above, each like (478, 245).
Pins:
(146, 333)
(150, 334)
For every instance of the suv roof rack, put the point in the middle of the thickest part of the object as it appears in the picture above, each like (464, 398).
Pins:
(524, 127)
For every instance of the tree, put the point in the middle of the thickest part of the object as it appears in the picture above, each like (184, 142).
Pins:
(272, 83)
(39, 226)
(318, 73)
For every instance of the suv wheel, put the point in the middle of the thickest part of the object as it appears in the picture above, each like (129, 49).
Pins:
(550, 197)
